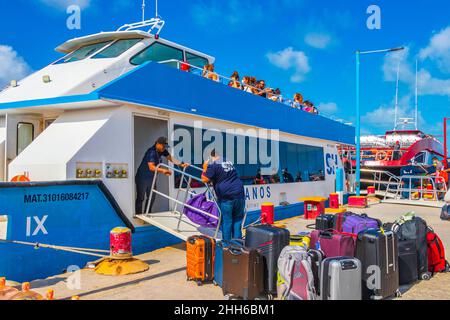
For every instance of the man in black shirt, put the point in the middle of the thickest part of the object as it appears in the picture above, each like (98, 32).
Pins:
(147, 169)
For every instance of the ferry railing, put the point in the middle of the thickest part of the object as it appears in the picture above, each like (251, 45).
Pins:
(381, 178)
(185, 177)
(421, 182)
(182, 65)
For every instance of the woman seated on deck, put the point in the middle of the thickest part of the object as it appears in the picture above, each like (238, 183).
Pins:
(208, 72)
(235, 83)
(246, 84)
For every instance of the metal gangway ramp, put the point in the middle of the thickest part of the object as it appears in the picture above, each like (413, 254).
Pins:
(175, 221)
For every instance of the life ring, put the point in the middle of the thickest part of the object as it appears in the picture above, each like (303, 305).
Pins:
(20, 178)
(381, 156)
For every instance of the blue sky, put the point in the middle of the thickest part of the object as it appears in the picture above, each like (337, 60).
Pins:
(301, 46)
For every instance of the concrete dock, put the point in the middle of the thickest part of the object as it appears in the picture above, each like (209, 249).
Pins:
(166, 278)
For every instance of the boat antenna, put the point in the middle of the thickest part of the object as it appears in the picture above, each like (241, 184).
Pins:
(156, 9)
(143, 10)
(416, 102)
(396, 97)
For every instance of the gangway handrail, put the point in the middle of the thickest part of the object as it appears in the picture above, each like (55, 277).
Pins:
(183, 203)
(421, 190)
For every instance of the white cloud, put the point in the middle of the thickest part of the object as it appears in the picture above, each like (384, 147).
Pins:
(383, 117)
(438, 50)
(12, 66)
(328, 107)
(63, 4)
(427, 83)
(318, 40)
(289, 58)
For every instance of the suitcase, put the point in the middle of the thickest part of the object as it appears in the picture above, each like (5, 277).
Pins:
(243, 272)
(269, 240)
(333, 244)
(356, 223)
(407, 262)
(218, 263)
(325, 222)
(200, 253)
(378, 254)
(218, 259)
(339, 219)
(340, 279)
(317, 257)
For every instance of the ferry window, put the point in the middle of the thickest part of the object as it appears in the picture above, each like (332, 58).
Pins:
(83, 52)
(157, 52)
(25, 135)
(117, 48)
(304, 163)
(195, 60)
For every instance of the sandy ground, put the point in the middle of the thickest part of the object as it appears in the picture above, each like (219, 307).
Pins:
(166, 278)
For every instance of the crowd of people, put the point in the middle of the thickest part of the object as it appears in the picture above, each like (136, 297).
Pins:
(258, 87)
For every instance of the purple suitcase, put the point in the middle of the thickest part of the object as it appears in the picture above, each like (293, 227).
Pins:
(333, 244)
(357, 223)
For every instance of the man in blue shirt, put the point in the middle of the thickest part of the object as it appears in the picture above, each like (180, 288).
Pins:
(147, 169)
(230, 193)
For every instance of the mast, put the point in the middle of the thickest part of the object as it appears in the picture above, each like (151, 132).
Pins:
(143, 10)
(416, 102)
(396, 97)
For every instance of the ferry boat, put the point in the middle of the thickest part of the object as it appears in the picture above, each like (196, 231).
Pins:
(78, 129)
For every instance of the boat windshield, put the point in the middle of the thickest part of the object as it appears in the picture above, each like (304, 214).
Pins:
(117, 48)
(83, 52)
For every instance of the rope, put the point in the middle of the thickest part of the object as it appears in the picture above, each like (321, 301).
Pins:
(37, 245)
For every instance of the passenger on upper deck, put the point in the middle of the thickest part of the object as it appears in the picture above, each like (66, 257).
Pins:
(275, 95)
(208, 72)
(261, 89)
(298, 101)
(246, 84)
(234, 83)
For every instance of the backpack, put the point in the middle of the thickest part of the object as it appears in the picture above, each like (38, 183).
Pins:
(436, 253)
(295, 278)
(445, 213)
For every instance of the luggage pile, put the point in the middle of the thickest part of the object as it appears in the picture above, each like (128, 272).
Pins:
(347, 257)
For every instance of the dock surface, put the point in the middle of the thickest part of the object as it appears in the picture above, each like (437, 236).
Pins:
(166, 278)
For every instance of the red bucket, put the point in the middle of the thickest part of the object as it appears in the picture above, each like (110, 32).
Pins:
(371, 190)
(267, 213)
(334, 201)
(120, 242)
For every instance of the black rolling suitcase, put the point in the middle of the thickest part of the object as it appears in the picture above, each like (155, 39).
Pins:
(269, 240)
(325, 222)
(407, 262)
(378, 254)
